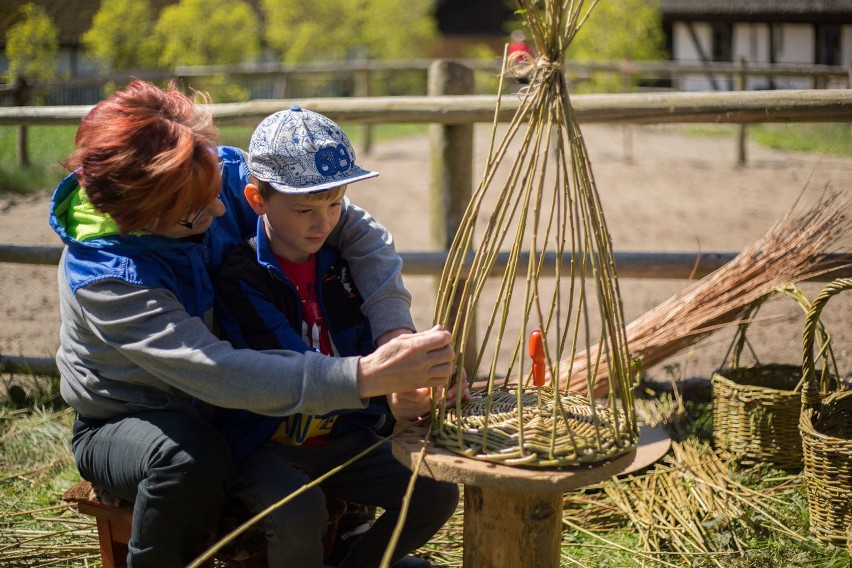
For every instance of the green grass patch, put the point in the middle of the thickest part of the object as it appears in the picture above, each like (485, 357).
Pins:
(47, 147)
(831, 139)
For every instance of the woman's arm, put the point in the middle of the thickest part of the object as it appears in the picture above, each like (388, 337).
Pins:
(144, 339)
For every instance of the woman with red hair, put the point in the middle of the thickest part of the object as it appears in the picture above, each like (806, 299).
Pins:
(149, 211)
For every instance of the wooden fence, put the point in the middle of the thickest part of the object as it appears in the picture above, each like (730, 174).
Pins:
(453, 117)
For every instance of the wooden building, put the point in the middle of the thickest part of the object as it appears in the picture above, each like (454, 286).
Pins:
(757, 32)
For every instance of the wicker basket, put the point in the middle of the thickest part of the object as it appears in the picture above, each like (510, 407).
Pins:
(756, 408)
(826, 428)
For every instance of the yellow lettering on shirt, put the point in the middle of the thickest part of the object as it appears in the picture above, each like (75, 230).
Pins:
(296, 428)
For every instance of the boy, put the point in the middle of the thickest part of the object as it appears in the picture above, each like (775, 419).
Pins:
(287, 289)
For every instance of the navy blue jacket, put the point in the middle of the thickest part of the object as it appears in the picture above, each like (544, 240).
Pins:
(258, 307)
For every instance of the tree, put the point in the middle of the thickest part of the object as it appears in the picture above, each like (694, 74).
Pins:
(198, 32)
(121, 36)
(342, 29)
(629, 30)
(31, 45)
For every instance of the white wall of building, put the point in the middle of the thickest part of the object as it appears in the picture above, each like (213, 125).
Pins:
(794, 44)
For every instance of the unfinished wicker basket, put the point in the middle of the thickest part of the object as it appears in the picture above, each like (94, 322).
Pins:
(826, 429)
(756, 408)
(558, 294)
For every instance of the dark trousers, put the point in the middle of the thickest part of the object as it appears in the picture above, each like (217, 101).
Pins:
(294, 531)
(173, 466)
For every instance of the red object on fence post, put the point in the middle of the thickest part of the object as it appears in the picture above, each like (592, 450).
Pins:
(537, 355)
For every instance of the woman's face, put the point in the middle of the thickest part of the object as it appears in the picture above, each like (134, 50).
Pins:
(196, 222)
(193, 223)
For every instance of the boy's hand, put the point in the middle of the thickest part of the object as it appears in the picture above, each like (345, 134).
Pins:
(407, 363)
(453, 393)
(410, 405)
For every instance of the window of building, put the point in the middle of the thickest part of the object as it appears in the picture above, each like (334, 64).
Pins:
(721, 46)
(827, 50)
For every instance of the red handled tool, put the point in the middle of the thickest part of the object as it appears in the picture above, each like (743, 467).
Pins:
(537, 355)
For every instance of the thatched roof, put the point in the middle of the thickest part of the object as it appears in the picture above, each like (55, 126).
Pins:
(811, 11)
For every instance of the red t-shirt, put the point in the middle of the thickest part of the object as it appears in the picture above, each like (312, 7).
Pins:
(305, 429)
(303, 277)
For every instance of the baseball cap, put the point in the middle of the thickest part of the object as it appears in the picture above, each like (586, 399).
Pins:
(301, 151)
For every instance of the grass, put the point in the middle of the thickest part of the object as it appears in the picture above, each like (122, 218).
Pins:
(830, 139)
(36, 466)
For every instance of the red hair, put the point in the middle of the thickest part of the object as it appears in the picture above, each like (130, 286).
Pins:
(147, 155)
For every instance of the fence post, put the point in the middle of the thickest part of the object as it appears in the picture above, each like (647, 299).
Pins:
(362, 89)
(742, 85)
(451, 151)
(21, 96)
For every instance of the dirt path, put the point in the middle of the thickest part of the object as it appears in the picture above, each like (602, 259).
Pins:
(663, 191)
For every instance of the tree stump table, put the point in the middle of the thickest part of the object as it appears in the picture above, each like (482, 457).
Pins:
(513, 515)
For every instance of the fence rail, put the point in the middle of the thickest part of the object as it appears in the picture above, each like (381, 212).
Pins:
(649, 265)
(820, 76)
(824, 105)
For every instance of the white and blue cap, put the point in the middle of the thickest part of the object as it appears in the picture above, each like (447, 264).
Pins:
(301, 151)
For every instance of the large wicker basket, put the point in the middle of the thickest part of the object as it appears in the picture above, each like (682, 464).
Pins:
(756, 408)
(826, 428)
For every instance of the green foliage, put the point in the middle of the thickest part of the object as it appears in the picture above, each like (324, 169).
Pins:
(121, 36)
(196, 32)
(626, 29)
(344, 29)
(31, 45)
(619, 30)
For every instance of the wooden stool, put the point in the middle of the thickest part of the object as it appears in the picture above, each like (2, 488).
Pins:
(114, 520)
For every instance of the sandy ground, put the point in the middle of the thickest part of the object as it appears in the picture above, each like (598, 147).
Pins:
(662, 191)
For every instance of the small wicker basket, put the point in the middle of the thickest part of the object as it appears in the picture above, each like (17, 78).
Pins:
(756, 408)
(826, 428)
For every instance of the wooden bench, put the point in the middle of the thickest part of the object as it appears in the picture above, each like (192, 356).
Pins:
(114, 520)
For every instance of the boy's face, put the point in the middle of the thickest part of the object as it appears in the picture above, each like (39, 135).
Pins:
(298, 225)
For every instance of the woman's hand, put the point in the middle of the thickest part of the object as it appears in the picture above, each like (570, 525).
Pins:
(407, 363)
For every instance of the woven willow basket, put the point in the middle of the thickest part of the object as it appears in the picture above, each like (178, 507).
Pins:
(756, 408)
(826, 429)
(558, 297)
(548, 432)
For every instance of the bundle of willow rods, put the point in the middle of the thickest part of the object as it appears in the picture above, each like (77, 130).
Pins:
(791, 251)
(678, 506)
(548, 204)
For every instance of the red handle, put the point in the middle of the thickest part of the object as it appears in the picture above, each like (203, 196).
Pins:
(537, 355)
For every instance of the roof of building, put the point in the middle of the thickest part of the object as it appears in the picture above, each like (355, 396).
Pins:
(813, 11)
